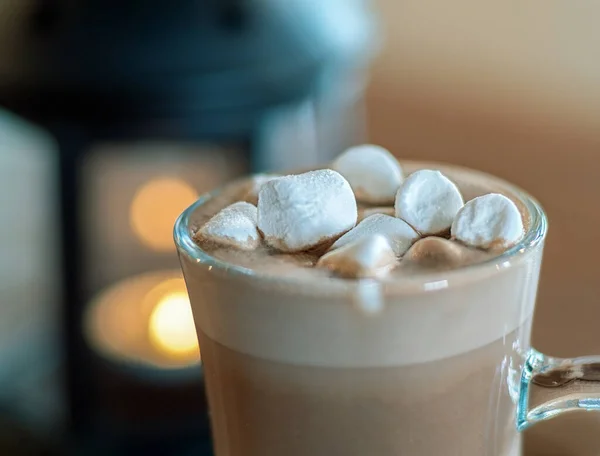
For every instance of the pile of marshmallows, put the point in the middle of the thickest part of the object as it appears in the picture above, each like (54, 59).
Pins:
(318, 209)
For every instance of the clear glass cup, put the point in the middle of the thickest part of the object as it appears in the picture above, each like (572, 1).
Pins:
(436, 363)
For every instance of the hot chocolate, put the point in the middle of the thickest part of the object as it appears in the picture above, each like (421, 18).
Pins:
(420, 360)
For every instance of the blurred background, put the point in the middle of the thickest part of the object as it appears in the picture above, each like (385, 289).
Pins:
(114, 118)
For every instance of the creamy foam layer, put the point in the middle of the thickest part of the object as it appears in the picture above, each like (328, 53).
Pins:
(277, 306)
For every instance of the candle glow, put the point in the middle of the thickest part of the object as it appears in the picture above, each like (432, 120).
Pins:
(172, 325)
(155, 207)
(144, 320)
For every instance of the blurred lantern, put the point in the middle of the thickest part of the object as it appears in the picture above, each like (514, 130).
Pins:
(152, 103)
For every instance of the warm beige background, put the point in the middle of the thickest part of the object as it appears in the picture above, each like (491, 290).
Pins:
(512, 88)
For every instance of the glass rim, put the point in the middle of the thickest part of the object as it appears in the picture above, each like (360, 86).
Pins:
(424, 281)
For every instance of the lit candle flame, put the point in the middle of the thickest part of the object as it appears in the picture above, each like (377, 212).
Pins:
(172, 326)
(144, 319)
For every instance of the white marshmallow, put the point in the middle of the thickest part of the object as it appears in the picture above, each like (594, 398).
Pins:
(299, 212)
(373, 173)
(367, 212)
(368, 256)
(398, 233)
(428, 201)
(488, 221)
(233, 226)
(257, 182)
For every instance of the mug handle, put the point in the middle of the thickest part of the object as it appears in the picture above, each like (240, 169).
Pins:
(551, 386)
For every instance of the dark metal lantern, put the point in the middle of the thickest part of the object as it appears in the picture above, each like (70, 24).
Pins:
(271, 84)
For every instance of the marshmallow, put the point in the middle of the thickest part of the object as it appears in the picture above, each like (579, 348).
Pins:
(398, 233)
(257, 182)
(489, 221)
(367, 212)
(299, 212)
(233, 226)
(374, 174)
(435, 253)
(368, 256)
(428, 201)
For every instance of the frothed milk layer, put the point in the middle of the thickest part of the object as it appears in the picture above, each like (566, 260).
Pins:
(278, 307)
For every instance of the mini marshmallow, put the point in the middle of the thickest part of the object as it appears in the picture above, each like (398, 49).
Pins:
(368, 256)
(490, 221)
(367, 212)
(435, 253)
(398, 233)
(257, 182)
(373, 173)
(428, 201)
(303, 211)
(233, 226)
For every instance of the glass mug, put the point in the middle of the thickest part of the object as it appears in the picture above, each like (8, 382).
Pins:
(433, 363)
